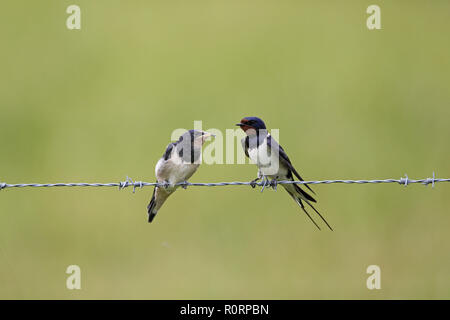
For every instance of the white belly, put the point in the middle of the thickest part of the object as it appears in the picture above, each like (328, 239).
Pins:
(267, 162)
(174, 171)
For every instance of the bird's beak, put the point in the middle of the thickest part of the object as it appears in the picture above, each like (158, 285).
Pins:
(208, 134)
(244, 124)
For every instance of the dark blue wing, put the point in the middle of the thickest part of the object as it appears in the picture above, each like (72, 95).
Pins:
(273, 145)
(245, 145)
(168, 151)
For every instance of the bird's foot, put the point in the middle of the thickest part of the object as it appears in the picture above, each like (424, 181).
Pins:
(253, 182)
(274, 183)
(185, 185)
(166, 184)
(265, 182)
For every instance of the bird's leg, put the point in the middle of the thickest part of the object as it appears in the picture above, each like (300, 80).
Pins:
(253, 182)
(185, 185)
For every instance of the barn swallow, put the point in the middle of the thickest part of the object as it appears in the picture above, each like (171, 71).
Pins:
(179, 162)
(273, 162)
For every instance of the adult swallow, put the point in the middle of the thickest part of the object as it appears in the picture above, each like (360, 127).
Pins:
(179, 162)
(273, 162)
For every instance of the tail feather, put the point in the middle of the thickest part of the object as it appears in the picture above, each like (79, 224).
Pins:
(151, 208)
(303, 193)
(323, 219)
(299, 202)
(298, 195)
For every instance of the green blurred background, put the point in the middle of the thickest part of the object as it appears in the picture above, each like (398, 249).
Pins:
(98, 104)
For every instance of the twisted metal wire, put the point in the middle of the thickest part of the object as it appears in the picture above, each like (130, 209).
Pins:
(140, 184)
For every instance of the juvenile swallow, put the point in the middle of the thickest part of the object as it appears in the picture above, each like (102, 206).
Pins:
(179, 162)
(273, 162)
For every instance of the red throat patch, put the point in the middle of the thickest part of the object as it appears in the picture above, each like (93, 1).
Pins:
(245, 127)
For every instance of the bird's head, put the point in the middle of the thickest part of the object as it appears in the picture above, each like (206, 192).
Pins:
(189, 145)
(251, 124)
(196, 137)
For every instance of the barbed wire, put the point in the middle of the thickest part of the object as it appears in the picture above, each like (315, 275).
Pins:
(264, 183)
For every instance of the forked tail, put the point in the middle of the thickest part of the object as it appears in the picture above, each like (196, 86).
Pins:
(298, 195)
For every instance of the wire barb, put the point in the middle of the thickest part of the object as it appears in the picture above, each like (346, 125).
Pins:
(430, 180)
(405, 181)
(137, 184)
(125, 183)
